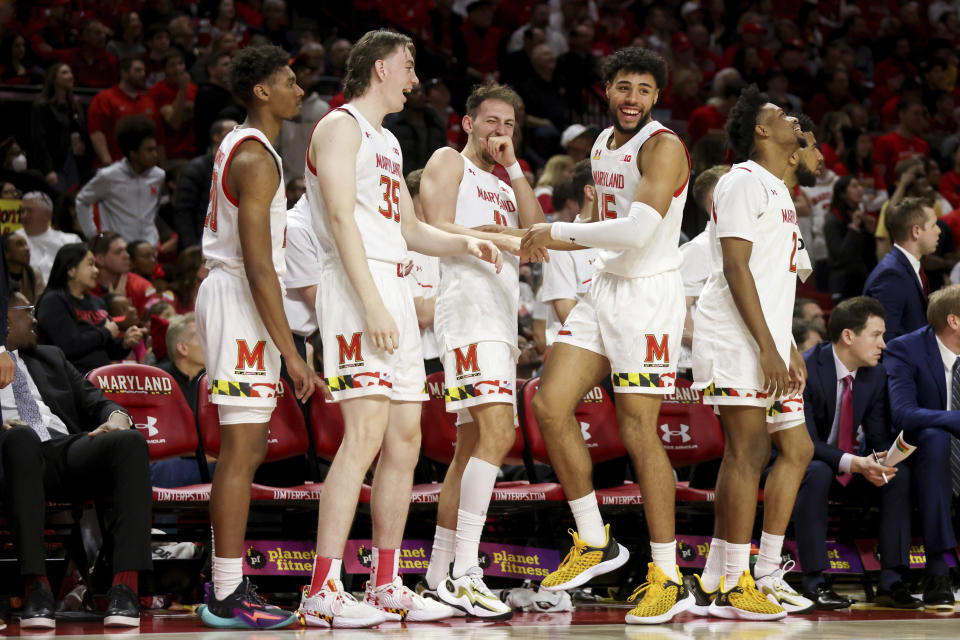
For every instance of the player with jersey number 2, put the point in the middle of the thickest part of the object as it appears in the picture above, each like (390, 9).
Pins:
(744, 361)
(373, 360)
(240, 319)
(629, 324)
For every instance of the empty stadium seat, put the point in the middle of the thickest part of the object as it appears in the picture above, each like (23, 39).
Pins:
(160, 412)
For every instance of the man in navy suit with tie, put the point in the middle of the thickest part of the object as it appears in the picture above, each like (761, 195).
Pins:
(845, 408)
(898, 281)
(923, 380)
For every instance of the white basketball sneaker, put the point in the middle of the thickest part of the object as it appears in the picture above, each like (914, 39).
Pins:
(469, 594)
(779, 592)
(398, 602)
(334, 607)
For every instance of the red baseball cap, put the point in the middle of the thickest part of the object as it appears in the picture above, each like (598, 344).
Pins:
(680, 41)
(754, 27)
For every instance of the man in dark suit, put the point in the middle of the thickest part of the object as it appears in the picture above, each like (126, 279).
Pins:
(65, 441)
(923, 380)
(845, 388)
(7, 367)
(898, 281)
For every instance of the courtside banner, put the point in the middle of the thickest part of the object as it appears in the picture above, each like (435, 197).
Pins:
(295, 558)
(9, 216)
(505, 560)
(692, 551)
(841, 558)
(918, 556)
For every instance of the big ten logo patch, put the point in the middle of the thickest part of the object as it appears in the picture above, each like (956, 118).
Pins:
(250, 361)
(467, 366)
(349, 353)
(658, 353)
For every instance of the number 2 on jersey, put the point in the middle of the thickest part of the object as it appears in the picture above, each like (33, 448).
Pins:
(391, 196)
(793, 254)
(210, 221)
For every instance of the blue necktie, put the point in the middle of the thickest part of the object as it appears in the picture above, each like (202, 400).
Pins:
(27, 405)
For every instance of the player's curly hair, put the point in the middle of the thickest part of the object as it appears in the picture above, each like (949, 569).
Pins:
(252, 66)
(636, 60)
(743, 120)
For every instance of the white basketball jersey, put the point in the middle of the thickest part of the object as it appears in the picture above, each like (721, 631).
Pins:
(379, 167)
(616, 176)
(476, 303)
(221, 231)
(752, 204)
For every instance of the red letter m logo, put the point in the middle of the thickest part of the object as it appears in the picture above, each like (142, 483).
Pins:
(468, 362)
(247, 359)
(350, 351)
(657, 351)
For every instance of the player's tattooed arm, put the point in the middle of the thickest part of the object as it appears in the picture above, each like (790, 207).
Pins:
(252, 175)
(743, 288)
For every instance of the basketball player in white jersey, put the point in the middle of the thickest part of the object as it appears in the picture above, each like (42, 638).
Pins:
(568, 274)
(373, 360)
(743, 358)
(476, 323)
(629, 324)
(240, 319)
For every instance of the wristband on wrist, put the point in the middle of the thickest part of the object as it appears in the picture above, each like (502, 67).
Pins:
(514, 171)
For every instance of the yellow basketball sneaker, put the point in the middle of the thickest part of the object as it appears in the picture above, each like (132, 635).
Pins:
(583, 563)
(662, 598)
(744, 602)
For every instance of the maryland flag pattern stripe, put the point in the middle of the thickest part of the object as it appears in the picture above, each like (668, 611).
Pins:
(714, 390)
(658, 380)
(230, 388)
(467, 391)
(344, 383)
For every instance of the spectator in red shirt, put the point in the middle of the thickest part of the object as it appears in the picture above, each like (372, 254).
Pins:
(110, 253)
(15, 64)
(158, 43)
(950, 183)
(479, 47)
(751, 35)
(899, 58)
(904, 141)
(51, 32)
(174, 97)
(706, 60)
(713, 115)
(91, 64)
(126, 98)
(836, 95)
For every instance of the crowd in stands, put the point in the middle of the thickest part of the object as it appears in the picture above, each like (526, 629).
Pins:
(129, 101)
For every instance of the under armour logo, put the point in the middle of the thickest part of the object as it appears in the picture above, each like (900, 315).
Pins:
(668, 434)
(149, 426)
(773, 191)
(585, 430)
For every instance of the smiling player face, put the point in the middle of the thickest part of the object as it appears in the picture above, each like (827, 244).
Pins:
(631, 97)
(400, 77)
(494, 118)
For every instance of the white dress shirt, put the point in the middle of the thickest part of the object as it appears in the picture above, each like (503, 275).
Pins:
(44, 247)
(913, 263)
(948, 358)
(8, 405)
(834, 437)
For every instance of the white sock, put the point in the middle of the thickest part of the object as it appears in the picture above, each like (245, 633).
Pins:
(476, 487)
(768, 560)
(469, 528)
(737, 561)
(713, 570)
(227, 576)
(665, 556)
(444, 541)
(590, 527)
